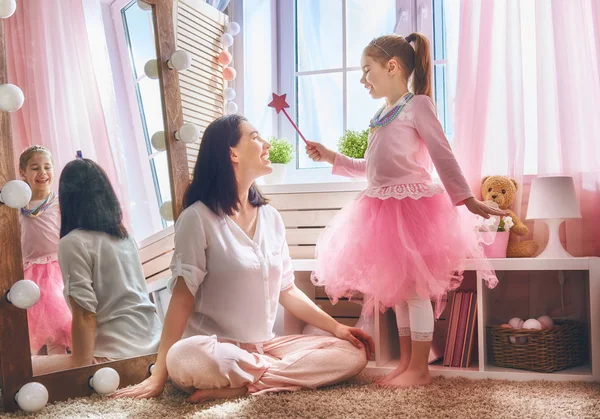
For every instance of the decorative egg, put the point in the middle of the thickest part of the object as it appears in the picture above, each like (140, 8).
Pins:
(516, 323)
(532, 324)
(546, 322)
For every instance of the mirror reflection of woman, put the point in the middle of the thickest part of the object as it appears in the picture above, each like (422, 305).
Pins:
(49, 320)
(230, 271)
(113, 317)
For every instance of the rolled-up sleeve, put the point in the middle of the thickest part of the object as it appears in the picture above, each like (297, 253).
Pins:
(189, 257)
(76, 267)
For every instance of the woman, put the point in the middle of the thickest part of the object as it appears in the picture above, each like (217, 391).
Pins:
(104, 285)
(230, 269)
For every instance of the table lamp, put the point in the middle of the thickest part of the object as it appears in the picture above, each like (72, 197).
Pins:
(553, 199)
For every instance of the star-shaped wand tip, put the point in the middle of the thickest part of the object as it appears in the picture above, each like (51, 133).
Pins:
(278, 102)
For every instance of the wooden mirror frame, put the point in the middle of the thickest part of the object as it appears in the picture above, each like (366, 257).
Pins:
(15, 358)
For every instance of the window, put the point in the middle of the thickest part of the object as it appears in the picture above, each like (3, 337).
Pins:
(139, 36)
(320, 66)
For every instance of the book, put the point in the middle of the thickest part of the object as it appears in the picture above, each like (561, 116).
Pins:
(471, 336)
(461, 329)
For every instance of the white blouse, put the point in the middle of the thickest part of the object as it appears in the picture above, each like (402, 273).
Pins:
(236, 280)
(104, 275)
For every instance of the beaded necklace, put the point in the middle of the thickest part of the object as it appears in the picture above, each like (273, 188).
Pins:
(37, 211)
(376, 122)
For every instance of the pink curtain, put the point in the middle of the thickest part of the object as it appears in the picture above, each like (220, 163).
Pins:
(528, 93)
(67, 108)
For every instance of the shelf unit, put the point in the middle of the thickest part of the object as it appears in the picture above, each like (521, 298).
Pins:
(586, 273)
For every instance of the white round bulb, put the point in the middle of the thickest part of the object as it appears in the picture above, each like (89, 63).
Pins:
(232, 28)
(188, 133)
(105, 381)
(226, 40)
(11, 98)
(229, 94)
(7, 8)
(152, 368)
(23, 294)
(166, 210)
(143, 5)
(32, 397)
(180, 60)
(159, 141)
(15, 194)
(231, 108)
(151, 69)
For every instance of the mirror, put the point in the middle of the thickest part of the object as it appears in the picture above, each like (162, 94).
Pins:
(82, 67)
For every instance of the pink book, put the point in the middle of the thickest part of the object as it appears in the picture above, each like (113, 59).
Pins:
(453, 325)
(461, 329)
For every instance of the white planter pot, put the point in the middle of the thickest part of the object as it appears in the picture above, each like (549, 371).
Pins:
(277, 176)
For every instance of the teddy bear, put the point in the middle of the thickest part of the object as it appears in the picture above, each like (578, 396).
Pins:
(503, 190)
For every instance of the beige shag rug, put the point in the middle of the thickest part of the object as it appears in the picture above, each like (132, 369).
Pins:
(445, 398)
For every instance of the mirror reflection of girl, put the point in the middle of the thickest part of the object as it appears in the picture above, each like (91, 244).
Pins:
(113, 317)
(49, 320)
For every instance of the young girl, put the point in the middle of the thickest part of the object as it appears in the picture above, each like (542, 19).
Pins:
(49, 319)
(113, 317)
(403, 242)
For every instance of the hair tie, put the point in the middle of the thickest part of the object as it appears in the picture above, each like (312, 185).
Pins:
(410, 38)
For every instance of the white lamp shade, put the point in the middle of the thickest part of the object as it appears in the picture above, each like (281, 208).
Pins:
(105, 381)
(11, 98)
(231, 108)
(23, 294)
(151, 69)
(232, 28)
(180, 60)
(32, 397)
(7, 8)
(188, 133)
(15, 194)
(229, 94)
(166, 210)
(226, 40)
(143, 5)
(553, 197)
(159, 141)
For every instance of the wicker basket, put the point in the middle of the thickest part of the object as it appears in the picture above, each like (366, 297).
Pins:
(562, 346)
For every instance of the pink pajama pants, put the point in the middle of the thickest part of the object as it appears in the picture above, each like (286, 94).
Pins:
(285, 363)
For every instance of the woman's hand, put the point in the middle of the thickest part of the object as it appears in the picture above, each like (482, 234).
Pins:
(318, 152)
(357, 337)
(479, 208)
(150, 387)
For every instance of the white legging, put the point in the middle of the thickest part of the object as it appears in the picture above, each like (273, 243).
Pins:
(414, 318)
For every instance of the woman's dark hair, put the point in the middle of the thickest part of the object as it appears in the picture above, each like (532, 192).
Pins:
(214, 183)
(88, 200)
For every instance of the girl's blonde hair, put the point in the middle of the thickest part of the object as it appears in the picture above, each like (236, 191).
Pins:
(30, 152)
(415, 61)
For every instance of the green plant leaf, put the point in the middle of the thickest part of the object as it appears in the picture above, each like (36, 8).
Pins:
(354, 143)
(281, 151)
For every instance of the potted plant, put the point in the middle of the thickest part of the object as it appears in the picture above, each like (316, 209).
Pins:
(497, 249)
(354, 143)
(280, 154)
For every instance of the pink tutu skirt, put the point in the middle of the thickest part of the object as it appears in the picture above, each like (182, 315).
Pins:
(394, 249)
(49, 320)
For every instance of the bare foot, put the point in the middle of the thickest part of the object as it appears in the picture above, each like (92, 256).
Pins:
(399, 370)
(409, 379)
(217, 394)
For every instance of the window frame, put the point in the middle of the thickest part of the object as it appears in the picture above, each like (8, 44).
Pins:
(411, 16)
(141, 134)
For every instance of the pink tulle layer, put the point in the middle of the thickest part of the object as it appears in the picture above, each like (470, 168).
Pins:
(394, 249)
(49, 320)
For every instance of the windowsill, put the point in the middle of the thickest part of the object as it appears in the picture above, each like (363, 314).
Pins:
(309, 187)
